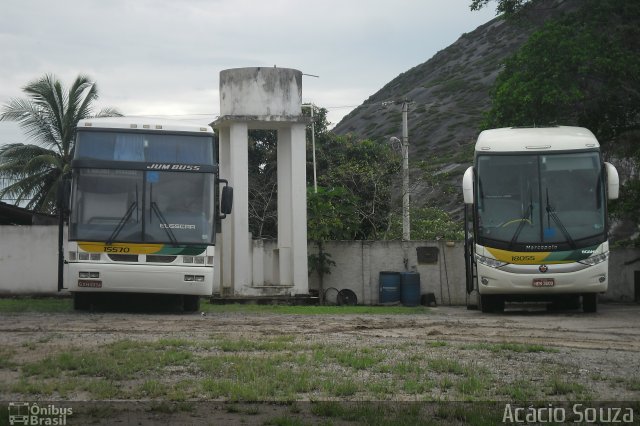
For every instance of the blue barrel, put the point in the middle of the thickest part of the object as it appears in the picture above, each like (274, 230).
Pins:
(410, 288)
(389, 287)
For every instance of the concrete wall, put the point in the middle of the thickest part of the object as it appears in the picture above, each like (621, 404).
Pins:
(359, 263)
(28, 265)
(29, 259)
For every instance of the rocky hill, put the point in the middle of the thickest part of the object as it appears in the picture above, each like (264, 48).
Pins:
(449, 94)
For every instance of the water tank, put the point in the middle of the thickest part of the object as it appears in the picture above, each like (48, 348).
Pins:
(389, 287)
(261, 91)
(410, 288)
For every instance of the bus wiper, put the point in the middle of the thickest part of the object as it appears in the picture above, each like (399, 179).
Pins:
(122, 222)
(525, 217)
(551, 213)
(481, 191)
(163, 223)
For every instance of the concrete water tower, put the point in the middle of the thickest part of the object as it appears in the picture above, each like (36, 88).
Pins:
(267, 99)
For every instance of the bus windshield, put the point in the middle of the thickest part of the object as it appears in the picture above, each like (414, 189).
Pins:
(110, 145)
(132, 206)
(533, 200)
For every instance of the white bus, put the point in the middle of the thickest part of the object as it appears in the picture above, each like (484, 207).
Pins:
(536, 217)
(142, 209)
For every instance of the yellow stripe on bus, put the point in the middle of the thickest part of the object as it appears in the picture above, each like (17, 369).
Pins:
(523, 258)
(123, 248)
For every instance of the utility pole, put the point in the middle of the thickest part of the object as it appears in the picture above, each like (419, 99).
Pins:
(313, 147)
(406, 223)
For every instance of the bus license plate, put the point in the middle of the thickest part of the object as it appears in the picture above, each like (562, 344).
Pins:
(544, 282)
(90, 283)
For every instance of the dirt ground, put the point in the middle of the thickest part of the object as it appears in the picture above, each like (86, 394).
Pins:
(606, 343)
(615, 327)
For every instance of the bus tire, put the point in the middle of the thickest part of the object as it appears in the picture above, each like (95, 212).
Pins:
(490, 303)
(191, 303)
(81, 301)
(590, 302)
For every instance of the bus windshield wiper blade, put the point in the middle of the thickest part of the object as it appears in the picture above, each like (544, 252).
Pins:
(163, 223)
(552, 213)
(526, 216)
(121, 224)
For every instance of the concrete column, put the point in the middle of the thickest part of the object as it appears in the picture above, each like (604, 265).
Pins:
(292, 208)
(285, 208)
(239, 180)
(299, 208)
(225, 249)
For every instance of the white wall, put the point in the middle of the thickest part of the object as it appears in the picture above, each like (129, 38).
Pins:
(29, 259)
(359, 263)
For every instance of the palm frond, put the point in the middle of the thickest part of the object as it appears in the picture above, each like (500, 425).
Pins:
(81, 95)
(108, 112)
(83, 106)
(15, 159)
(48, 116)
(47, 94)
(32, 120)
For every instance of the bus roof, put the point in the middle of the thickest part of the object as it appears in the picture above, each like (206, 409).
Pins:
(526, 139)
(144, 124)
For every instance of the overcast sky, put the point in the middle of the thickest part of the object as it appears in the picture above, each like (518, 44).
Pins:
(159, 57)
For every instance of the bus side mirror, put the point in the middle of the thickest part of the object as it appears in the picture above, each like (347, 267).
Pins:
(226, 199)
(64, 194)
(467, 186)
(613, 181)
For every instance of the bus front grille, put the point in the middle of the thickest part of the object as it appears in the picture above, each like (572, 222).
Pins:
(123, 257)
(154, 258)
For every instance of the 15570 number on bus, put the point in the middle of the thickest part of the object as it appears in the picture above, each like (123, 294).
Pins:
(111, 249)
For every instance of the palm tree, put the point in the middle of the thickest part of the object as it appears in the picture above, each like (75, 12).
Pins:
(48, 117)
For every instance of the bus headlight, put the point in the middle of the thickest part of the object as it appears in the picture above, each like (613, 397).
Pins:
(594, 260)
(492, 263)
(196, 278)
(83, 256)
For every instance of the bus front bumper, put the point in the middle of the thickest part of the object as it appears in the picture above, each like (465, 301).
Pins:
(529, 280)
(194, 280)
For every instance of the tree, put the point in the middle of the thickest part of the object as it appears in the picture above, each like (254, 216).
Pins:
(48, 117)
(330, 216)
(507, 7)
(263, 184)
(427, 223)
(366, 170)
(363, 168)
(581, 69)
(263, 176)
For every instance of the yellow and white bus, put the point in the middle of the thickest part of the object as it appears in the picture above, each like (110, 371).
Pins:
(536, 217)
(142, 209)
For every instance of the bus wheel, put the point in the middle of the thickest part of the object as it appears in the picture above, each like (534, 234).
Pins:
(491, 303)
(81, 301)
(590, 302)
(191, 303)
